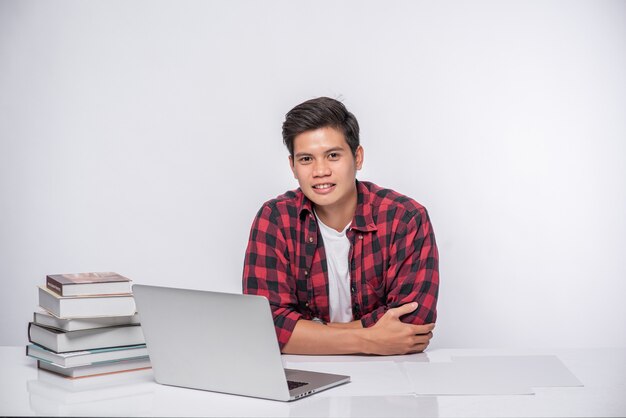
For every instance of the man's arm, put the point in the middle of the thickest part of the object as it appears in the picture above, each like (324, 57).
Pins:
(265, 272)
(388, 336)
(412, 273)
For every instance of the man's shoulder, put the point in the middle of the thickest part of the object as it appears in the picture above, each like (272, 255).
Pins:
(288, 203)
(383, 198)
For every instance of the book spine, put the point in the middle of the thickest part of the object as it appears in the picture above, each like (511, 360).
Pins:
(30, 324)
(53, 285)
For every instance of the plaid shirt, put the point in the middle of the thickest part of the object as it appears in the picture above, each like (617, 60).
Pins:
(393, 259)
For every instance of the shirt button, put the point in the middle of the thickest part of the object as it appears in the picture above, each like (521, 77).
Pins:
(353, 289)
(360, 236)
(306, 272)
(310, 239)
(306, 304)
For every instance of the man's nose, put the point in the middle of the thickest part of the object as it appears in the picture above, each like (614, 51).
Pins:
(321, 168)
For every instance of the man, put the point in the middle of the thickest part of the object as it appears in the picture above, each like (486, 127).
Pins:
(348, 267)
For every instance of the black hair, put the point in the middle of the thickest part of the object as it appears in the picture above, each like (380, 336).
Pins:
(320, 113)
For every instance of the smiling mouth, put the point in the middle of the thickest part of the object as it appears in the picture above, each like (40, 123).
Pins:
(323, 186)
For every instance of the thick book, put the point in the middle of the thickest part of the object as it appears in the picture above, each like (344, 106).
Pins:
(85, 339)
(86, 306)
(97, 369)
(73, 324)
(86, 357)
(81, 284)
(125, 382)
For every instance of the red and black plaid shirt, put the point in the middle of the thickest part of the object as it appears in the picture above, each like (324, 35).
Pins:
(393, 259)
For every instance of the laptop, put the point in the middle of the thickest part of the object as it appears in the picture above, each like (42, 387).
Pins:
(220, 342)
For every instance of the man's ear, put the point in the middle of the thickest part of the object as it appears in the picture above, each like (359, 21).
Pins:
(358, 157)
(293, 169)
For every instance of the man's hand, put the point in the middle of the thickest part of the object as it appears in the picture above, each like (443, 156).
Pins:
(391, 336)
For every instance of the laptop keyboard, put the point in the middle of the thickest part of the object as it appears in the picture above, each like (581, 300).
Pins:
(293, 384)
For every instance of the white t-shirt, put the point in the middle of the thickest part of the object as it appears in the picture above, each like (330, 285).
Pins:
(337, 248)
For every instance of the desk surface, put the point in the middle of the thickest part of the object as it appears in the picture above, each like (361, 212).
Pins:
(28, 391)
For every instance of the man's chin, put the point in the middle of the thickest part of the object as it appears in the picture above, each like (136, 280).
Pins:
(320, 200)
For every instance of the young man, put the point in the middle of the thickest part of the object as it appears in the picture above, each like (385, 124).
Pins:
(348, 267)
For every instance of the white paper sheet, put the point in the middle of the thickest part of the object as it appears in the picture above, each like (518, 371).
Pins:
(533, 371)
(463, 378)
(380, 378)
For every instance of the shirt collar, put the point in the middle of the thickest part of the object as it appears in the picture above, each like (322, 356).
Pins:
(362, 221)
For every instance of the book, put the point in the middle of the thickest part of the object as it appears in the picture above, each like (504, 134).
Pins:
(86, 357)
(97, 369)
(73, 324)
(86, 306)
(122, 382)
(80, 284)
(84, 339)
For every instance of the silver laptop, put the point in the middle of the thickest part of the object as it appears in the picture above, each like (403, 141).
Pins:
(220, 342)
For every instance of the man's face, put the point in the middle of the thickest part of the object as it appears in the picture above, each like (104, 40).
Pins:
(325, 167)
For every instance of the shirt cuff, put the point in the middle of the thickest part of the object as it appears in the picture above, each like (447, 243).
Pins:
(371, 318)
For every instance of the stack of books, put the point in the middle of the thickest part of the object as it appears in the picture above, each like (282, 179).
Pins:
(87, 326)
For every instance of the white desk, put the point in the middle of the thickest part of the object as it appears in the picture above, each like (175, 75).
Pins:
(24, 390)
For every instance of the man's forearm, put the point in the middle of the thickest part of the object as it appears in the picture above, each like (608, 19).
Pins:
(389, 336)
(310, 337)
(346, 325)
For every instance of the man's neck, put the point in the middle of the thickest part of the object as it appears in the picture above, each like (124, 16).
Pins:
(338, 216)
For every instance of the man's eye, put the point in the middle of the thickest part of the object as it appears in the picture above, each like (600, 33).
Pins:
(333, 155)
(305, 159)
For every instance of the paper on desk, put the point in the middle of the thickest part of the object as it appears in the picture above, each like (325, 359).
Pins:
(380, 378)
(463, 378)
(533, 371)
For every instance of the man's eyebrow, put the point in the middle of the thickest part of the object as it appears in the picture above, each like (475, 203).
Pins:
(328, 151)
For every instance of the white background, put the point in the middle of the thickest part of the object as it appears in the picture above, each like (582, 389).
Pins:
(142, 136)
